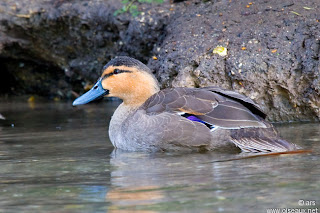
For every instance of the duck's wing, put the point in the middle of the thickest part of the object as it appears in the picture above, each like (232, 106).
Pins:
(211, 105)
(246, 101)
(225, 109)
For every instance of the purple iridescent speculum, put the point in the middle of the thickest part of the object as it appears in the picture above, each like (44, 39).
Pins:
(194, 118)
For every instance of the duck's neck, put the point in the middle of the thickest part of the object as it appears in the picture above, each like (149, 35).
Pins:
(140, 91)
(138, 99)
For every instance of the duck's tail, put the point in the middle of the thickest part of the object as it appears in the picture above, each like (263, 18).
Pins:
(261, 140)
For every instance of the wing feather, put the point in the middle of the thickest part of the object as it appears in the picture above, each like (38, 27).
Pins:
(260, 140)
(250, 104)
(214, 106)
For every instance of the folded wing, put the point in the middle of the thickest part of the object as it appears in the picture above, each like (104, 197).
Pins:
(212, 105)
(220, 109)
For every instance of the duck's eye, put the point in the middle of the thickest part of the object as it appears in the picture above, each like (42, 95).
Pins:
(116, 71)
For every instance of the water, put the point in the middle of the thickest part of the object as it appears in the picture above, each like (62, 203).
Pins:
(57, 158)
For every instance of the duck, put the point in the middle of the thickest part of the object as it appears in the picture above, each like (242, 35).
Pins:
(180, 119)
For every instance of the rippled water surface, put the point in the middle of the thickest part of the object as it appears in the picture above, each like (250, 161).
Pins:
(57, 158)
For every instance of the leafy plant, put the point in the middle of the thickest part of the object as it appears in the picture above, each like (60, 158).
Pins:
(131, 6)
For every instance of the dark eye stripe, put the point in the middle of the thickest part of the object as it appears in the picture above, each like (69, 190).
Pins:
(115, 72)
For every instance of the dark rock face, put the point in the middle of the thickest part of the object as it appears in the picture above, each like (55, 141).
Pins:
(273, 53)
(54, 47)
(69, 42)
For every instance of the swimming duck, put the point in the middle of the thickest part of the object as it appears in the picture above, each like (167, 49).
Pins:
(197, 119)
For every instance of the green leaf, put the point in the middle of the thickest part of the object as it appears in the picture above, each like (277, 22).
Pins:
(135, 13)
(124, 8)
(130, 6)
(118, 11)
(134, 10)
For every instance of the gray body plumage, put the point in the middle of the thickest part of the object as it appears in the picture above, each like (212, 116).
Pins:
(230, 119)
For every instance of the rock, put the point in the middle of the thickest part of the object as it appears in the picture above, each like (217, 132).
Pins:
(43, 43)
(273, 53)
(56, 48)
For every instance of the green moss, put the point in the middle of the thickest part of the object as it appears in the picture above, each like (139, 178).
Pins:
(131, 6)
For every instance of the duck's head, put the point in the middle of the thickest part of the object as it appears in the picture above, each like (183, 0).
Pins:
(125, 78)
